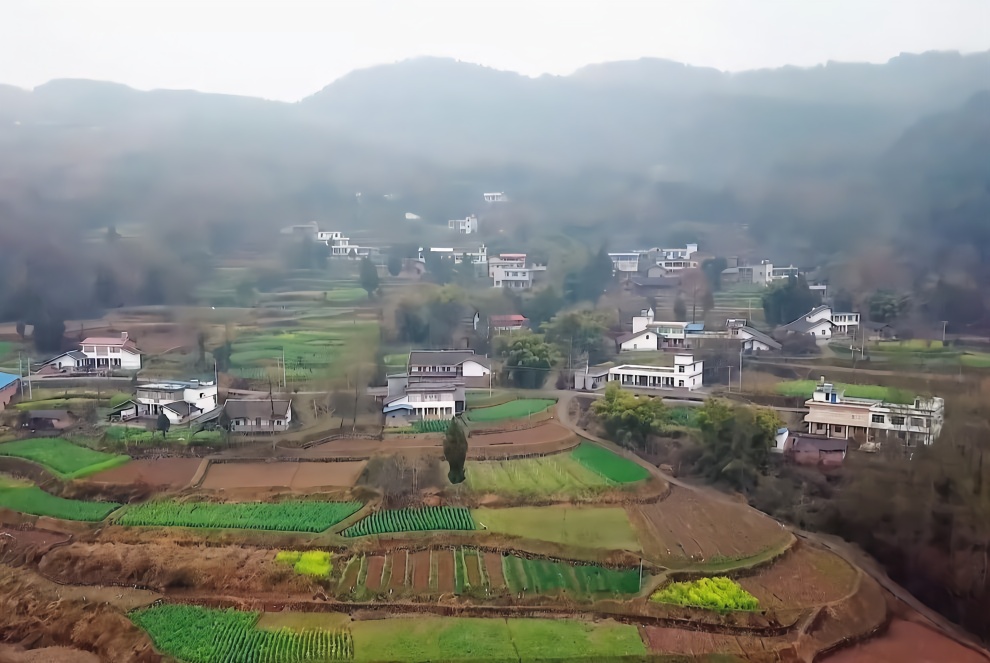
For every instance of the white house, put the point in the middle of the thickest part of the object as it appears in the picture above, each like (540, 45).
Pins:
(476, 257)
(462, 366)
(509, 270)
(686, 373)
(753, 340)
(426, 400)
(258, 415)
(111, 352)
(465, 226)
(180, 401)
(432, 387)
(73, 360)
(495, 197)
(833, 414)
(627, 262)
(340, 246)
(822, 323)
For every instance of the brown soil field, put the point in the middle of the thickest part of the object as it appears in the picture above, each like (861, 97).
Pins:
(15, 544)
(858, 615)
(688, 527)
(165, 566)
(473, 573)
(376, 564)
(171, 472)
(293, 475)
(803, 577)
(9, 654)
(906, 641)
(665, 640)
(33, 613)
(445, 570)
(420, 571)
(314, 475)
(493, 566)
(398, 579)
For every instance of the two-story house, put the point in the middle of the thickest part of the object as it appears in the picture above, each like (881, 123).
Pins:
(685, 373)
(180, 401)
(433, 384)
(340, 246)
(495, 197)
(833, 414)
(822, 323)
(98, 353)
(510, 271)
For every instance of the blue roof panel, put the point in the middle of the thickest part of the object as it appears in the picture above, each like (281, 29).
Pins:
(694, 326)
(7, 378)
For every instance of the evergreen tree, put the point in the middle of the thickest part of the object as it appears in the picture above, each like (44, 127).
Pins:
(369, 276)
(455, 448)
(162, 424)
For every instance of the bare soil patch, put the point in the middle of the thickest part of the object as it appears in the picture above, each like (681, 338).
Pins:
(689, 527)
(804, 577)
(10, 654)
(445, 570)
(493, 566)
(17, 545)
(315, 475)
(171, 472)
(907, 641)
(398, 579)
(376, 564)
(420, 571)
(249, 475)
(473, 573)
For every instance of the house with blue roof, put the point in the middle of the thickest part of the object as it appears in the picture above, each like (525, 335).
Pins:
(9, 384)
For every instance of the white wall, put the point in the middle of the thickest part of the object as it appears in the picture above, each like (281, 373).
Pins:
(473, 369)
(647, 341)
(824, 314)
(203, 397)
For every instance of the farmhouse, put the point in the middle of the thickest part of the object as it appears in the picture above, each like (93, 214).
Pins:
(753, 340)
(111, 352)
(258, 415)
(433, 385)
(593, 377)
(340, 246)
(495, 197)
(815, 449)
(833, 414)
(9, 385)
(476, 257)
(425, 400)
(73, 360)
(180, 401)
(686, 373)
(509, 270)
(465, 226)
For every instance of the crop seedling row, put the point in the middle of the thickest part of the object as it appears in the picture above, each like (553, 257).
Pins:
(413, 520)
(33, 500)
(281, 516)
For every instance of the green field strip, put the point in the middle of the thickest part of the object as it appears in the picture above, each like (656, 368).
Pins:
(36, 502)
(291, 516)
(348, 576)
(62, 458)
(609, 465)
(434, 571)
(482, 571)
(362, 577)
(514, 578)
(388, 521)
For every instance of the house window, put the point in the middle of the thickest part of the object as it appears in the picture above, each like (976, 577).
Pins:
(680, 369)
(897, 421)
(917, 422)
(823, 332)
(680, 383)
(878, 419)
(836, 429)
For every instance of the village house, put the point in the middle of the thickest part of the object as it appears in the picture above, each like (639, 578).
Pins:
(465, 226)
(340, 246)
(753, 340)
(651, 334)
(685, 373)
(432, 387)
(815, 450)
(458, 256)
(822, 323)
(9, 384)
(180, 401)
(258, 415)
(506, 324)
(509, 270)
(870, 421)
(97, 353)
(495, 197)
(878, 331)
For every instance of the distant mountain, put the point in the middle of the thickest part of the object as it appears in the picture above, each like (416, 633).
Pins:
(692, 122)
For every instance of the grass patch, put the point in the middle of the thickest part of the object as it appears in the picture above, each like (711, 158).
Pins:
(280, 516)
(592, 527)
(412, 520)
(517, 409)
(720, 594)
(36, 502)
(66, 403)
(805, 388)
(62, 458)
(479, 639)
(315, 563)
(131, 435)
(609, 465)
(204, 635)
(540, 576)
(557, 474)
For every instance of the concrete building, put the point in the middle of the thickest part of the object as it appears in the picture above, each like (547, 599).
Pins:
(179, 400)
(685, 373)
(833, 414)
(495, 197)
(458, 256)
(340, 246)
(627, 262)
(258, 415)
(433, 384)
(509, 270)
(465, 226)
(822, 323)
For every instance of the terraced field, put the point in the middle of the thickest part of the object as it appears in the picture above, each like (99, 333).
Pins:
(517, 409)
(281, 516)
(606, 528)
(61, 457)
(29, 499)
(388, 521)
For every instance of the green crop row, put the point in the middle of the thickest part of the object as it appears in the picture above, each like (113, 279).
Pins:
(540, 576)
(35, 501)
(609, 465)
(202, 635)
(720, 594)
(431, 426)
(281, 516)
(413, 520)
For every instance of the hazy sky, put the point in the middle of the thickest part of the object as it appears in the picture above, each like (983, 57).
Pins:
(287, 49)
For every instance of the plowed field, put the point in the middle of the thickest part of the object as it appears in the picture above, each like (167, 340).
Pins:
(691, 528)
(398, 579)
(288, 475)
(445, 570)
(420, 571)
(376, 564)
(172, 472)
(804, 577)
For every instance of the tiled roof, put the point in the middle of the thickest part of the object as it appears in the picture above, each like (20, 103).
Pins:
(444, 357)
(255, 408)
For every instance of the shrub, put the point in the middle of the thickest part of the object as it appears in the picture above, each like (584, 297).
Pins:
(720, 594)
(315, 563)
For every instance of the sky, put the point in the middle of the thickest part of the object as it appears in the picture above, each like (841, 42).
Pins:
(289, 49)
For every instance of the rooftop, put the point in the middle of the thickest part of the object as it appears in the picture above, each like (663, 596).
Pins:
(175, 386)
(255, 408)
(444, 357)
(7, 378)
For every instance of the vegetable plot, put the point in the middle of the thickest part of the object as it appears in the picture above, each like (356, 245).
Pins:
(203, 635)
(281, 516)
(431, 426)
(609, 465)
(62, 458)
(540, 576)
(413, 520)
(720, 594)
(35, 501)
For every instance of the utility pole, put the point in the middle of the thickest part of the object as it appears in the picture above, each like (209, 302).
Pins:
(20, 373)
(640, 574)
(730, 377)
(944, 324)
(30, 386)
(740, 368)
(285, 385)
